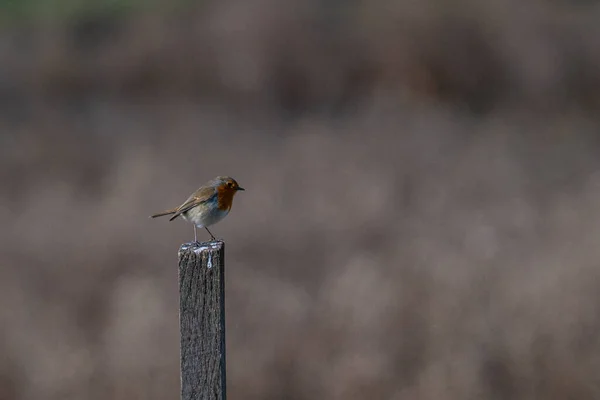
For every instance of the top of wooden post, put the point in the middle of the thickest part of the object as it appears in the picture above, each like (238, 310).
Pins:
(199, 247)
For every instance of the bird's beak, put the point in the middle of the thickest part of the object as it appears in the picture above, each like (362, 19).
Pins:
(240, 188)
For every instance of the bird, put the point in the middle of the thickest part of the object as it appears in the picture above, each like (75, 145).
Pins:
(207, 205)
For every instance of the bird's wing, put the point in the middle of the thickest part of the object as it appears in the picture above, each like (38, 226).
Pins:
(198, 197)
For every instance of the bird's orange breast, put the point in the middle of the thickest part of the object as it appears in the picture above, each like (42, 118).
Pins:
(224, 198)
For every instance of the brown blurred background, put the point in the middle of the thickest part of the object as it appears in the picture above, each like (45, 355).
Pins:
(422, 209)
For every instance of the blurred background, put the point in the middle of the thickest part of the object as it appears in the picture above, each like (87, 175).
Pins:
(422, 208)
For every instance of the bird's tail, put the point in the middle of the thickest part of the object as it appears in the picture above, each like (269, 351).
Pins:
(168, 212)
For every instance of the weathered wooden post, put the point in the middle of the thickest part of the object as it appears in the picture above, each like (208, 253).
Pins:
(202, 320)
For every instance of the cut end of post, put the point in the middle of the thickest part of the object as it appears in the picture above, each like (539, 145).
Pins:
(204, 250)
(200, 247)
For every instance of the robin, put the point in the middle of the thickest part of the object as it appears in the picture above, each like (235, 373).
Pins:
(207, 205)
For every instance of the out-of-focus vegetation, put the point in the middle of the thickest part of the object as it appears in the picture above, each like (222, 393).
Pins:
(20, 11)
(421, 211)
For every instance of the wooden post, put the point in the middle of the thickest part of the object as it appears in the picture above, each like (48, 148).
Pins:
(202, 320)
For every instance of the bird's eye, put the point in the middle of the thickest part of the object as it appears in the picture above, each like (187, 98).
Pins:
(230, 184)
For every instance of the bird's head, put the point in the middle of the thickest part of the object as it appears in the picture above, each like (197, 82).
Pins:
(227, 184)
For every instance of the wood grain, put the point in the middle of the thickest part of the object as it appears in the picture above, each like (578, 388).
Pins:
(202, 320)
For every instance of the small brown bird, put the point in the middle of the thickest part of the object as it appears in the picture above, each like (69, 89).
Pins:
(207, 205)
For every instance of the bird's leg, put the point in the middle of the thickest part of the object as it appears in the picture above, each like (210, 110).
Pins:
(195, 235)
(211, 235)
